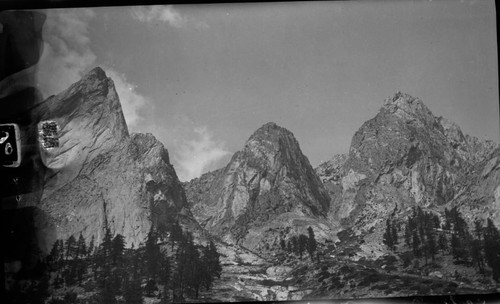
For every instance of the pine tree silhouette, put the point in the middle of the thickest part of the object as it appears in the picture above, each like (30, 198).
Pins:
(302, 244)
(311, 242)
(132, 293)
(492, 248)
(388, 237)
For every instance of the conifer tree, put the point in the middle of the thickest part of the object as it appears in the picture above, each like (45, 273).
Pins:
(442, 242)
(295, 244)
(194, 269)
(394, 232)
(81, 248)
(213, 260)
(165, 278)
(447, 222)
(409, 231)
(283, 244)
(457, 247)
(162, 231)
(176, 234)
(56, 255)
(152, 254)
(80, 264)
(478, 229)
(132, 293)
(311, 242)
(182, 271)
(117, 249)
(104, 276)
(492, 248)
(388, 235)
(416, 245)
(107, 294)
(431, 243)
(70, 247)
(302, 244)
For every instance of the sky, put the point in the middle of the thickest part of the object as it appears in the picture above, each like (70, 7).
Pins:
(203, 78)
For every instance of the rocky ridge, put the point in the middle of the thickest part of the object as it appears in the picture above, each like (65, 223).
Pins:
(267, 191)
(405, 157)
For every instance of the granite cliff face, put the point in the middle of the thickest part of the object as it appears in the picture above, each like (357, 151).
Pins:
(266, 192)
(404, 157)
(480, 198)
(101, 173)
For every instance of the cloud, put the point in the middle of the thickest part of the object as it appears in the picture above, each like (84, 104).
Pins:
(158, 13)
(68, 55)
(196, 155)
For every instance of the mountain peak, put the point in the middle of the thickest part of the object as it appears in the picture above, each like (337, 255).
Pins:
(269, 129)
(408, 108)
(271, 141)
(406, 102)
(269, 178)
(96, 72)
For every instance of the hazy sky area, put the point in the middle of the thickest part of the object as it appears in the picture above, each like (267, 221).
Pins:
(203, 78)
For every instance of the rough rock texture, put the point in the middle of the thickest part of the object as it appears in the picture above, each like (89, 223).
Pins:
(267, 190)
(404, 157)
(100, 173)
(333, 169)
(480, 198)
(91, 122)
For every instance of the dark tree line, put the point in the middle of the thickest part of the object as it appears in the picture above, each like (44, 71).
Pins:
(169, 265)
(420, 234)
(298, 245)
(390, 235)
(427, 236)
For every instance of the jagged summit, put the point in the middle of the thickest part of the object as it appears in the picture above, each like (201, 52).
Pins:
(271, 132)
(273, 146)
(403, 157)
(408, 108)
(269, 129)
(96, 72)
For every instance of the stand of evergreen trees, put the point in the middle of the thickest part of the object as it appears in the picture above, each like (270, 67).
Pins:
(427, 236)
(298, 245)
(169, 265)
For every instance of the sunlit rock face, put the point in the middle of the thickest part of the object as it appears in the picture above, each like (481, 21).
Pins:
(267, 191)
(100, 174)
(91, 122)
(405, 157)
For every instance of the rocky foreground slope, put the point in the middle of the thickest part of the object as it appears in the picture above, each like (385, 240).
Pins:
(100, 173)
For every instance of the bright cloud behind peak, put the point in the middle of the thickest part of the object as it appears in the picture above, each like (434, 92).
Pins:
(68, 55)
(195, 155)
